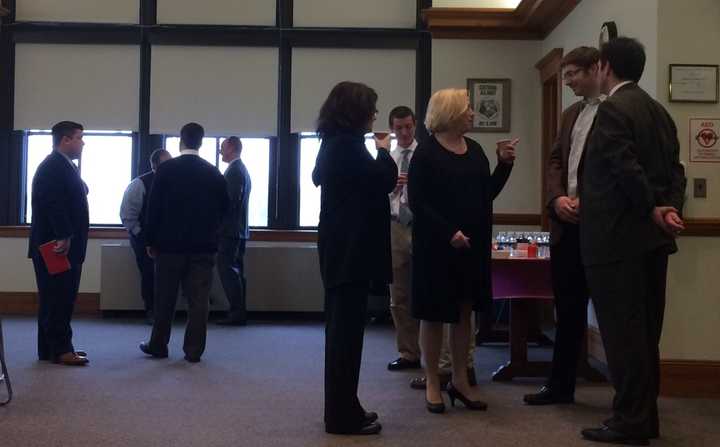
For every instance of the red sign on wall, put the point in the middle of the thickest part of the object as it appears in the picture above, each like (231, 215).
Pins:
(705, 140)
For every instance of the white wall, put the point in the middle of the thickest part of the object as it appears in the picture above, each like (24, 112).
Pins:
(16, 271)
(688, 34)
(634, 18)
(454, 61)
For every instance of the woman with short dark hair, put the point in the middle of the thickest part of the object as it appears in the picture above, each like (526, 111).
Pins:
(353, 243)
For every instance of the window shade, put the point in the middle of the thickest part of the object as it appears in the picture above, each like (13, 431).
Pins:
(95, 85)
(228, 90)
(316, 71)
(354, 13)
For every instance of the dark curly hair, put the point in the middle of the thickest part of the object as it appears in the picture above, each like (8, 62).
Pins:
(348, 107)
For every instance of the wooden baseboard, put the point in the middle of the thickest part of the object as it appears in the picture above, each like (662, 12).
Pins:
(678, 378)
(26, 303)
(690, 378)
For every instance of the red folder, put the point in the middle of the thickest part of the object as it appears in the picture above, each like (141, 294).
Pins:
(55, 262)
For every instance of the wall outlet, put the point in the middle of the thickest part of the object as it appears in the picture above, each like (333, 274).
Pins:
(700, 188)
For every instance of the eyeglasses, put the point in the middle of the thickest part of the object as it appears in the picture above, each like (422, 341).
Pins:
(571, 74)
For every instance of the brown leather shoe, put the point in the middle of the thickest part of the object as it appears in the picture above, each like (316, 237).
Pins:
(72, 359)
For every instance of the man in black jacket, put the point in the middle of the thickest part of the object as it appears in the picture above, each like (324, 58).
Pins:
(59, 214)
(632, 192)
(234, 233)
(187, 203)
(132, 214)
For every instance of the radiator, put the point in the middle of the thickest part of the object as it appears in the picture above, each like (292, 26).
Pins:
(281, 277)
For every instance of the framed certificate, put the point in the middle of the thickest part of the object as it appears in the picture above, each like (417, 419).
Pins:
(490, 100)
(693, 83)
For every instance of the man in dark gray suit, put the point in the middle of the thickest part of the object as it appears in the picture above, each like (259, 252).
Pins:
(632, 193)
(234, 233)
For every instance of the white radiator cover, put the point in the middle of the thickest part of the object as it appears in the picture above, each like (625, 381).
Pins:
(281, 277)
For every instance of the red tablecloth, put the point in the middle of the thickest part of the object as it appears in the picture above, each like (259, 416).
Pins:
(522, 278)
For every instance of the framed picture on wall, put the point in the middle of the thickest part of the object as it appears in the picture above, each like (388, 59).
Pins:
(693, 83)
(490, 100)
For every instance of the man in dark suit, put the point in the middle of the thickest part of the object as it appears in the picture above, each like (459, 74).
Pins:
(60, 214)
(132, 213)
(234, 233)
(570, 287)
(632, 193)
(187, 203)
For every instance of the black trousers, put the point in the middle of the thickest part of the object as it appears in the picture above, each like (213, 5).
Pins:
(629, 298)
(56, 297)
(345, 311)
(231, 269)
(146, 266)
(194, 272)
(571, 303)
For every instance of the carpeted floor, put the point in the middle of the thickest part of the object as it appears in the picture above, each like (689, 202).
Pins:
(261, 385)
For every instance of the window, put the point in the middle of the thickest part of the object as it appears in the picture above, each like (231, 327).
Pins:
(309, 193)
(105, 165)
(255, 155)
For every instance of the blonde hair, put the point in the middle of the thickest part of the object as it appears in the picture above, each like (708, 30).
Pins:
(445, 108)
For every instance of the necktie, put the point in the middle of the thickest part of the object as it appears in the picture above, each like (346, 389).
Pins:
(404, 215)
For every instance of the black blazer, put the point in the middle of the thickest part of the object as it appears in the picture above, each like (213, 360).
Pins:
(354, 229)
(631, 165)
(235, 224)
(187, 203)
(59, 207)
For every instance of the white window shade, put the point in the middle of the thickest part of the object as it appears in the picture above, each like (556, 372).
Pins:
(95, 85)
(91, 11)
(354, 13)
(228, 90)
(316, 71)
(217, 12)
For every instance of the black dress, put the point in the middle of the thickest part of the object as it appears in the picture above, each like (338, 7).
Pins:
(449, 193)
(354, 249)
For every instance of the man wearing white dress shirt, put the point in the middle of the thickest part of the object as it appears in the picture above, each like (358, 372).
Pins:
(564, 172)
(402, 124)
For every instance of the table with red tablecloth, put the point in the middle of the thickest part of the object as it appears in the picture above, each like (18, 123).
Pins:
(526, 283)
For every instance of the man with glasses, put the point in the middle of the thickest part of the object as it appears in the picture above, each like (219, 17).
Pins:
(570, 286)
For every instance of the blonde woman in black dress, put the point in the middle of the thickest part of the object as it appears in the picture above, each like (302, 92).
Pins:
(451, 190)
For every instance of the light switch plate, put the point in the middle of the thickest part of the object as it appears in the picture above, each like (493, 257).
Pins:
(700, 188)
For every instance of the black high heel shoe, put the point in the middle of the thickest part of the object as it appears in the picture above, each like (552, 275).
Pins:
(471, 404)
(435, 408)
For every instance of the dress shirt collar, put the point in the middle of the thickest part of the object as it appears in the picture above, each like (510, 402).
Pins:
(69, 160)
(411, 148)
(617, 87)
(190, 152)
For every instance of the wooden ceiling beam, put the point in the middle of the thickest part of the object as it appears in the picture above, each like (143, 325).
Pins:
(532, 19)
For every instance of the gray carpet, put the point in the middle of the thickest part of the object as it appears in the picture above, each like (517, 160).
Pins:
(261, 385)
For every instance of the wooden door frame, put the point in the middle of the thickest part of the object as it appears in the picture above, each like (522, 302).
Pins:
(549, 68)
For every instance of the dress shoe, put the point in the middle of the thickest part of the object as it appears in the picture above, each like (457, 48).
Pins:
(471, 404)
(437, 408)
(546, 396)
(371, 429)
(145, 347)
(192, 359)
(609, 422)
(71, 359)
(402, 363)
(370, 417)
(81, 353)
(610, 436)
